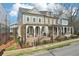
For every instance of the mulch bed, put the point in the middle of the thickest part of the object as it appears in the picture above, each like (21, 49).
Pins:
(3, 46)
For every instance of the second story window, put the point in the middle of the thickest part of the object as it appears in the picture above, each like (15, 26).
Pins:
(33, 19)
(39, 20)
(27, 18)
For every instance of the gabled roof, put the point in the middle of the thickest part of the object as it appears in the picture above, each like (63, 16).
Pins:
(33, 11)
(23, 10)
(43, 12)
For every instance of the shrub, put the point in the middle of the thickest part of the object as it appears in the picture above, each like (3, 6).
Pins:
(27, 44)
(37, 42)
(19, 41)
(61, 38)
(11, 48)
(40, 42)
(45, 41)
(77, 33)
(73, 36)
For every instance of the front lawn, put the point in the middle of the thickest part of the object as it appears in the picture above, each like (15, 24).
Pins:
(13, 47)
(29, 51)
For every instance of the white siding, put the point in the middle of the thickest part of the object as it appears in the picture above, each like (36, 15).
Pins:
(31, 19)
(46, 20)
(50, 21)
(54, 21)
(62, 22)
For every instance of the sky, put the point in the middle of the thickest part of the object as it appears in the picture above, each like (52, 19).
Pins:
(12, 8)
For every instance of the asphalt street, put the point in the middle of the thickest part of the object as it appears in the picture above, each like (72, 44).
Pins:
(71, 50)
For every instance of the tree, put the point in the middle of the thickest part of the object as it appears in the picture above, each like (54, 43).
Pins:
(71, 13)
(56, 9)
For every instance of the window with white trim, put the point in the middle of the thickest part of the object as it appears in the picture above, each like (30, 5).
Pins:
(33, 19)
(27, 18)
(39, 20)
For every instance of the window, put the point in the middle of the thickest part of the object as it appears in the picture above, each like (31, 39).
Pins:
(27, 18)
(33, 19)
(39, 20)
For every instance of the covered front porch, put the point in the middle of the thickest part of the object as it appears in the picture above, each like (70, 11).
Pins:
(36, 30)
(62, 30)
(55, 30)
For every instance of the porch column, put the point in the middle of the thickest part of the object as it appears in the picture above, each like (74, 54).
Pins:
(26, 30)
(72, 30)
(57, 31)
(63, 30)
(40, 30)
(67, 32)
(19, 30)
(53, 32)
(46, 30)
(34, 30)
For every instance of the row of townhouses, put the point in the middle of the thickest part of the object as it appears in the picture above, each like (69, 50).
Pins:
(38, 23)
(32, 22)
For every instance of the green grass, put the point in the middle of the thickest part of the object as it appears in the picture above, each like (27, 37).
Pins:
(11, 48)
(29, 51)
